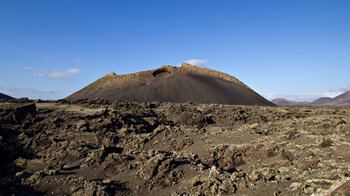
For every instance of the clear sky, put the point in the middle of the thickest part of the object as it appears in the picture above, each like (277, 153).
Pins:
(284, 48)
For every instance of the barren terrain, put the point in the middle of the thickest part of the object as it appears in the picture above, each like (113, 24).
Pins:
(150, 148)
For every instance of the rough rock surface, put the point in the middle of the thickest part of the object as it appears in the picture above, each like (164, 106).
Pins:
(101, 147)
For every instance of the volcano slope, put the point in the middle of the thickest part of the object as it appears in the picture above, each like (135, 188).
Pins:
(99, 147)
(3, 96)
(173, 84)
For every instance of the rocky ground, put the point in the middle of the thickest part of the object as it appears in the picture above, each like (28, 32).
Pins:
(133, 148)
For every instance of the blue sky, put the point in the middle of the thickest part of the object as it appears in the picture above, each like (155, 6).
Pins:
(293, 49)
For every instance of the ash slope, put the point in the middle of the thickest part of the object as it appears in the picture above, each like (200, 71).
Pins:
(173, 84)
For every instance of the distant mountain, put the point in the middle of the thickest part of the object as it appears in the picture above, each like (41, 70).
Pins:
(341, 100)
(3, 96)
(173, 84)
(284, 102)
(320, 101)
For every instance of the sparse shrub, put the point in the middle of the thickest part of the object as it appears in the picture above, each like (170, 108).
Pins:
(256, 119)
(288, 155)
(291, 134)
(326, 143)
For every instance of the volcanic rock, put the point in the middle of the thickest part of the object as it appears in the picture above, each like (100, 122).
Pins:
(98, 147)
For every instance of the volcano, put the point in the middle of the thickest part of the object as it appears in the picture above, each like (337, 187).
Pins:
(285, 102)
(186, 83)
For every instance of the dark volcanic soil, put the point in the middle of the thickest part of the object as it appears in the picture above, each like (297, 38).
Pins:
(135, 148)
